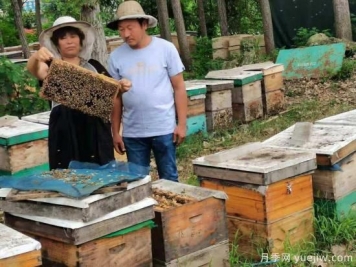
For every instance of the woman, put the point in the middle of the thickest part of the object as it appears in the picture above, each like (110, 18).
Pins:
(73, 135)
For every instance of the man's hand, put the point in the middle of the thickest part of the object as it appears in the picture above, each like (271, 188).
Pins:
(119, 144)
(125, 85)
(43, 55)
(179, 134)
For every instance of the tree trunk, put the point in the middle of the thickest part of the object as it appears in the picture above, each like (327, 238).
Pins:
(223, 17)
(181, 34)
(20, 28)
(202, 21)
(267, 25)
(1, 43)
(91, 14)
(38, 18)
(342, 19)
(163, 19)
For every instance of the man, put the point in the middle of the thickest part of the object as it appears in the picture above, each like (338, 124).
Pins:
(158, 92)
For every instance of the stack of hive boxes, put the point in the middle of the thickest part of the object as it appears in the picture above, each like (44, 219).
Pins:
(23, 147)
(191, 226)
(272, 86)
(104, 229)
(246, 94)
(270, 197)
(334, 182)
(196, 121)
(16, 249)
(218, 105)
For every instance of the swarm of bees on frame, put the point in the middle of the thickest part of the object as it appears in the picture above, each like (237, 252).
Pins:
(81, 89)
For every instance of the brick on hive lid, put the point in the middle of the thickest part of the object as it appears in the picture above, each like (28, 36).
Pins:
(81, 89)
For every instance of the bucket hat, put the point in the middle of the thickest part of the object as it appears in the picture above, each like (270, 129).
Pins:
(131, 10)
(65, 21)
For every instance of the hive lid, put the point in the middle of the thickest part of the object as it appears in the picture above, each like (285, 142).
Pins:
(13, 243)
(331, 143)
(194, 89)
(215, 85)
(255, 163)
(19, 131)
(238, 75)
(346, 118)
(42, 118)
(267, 68)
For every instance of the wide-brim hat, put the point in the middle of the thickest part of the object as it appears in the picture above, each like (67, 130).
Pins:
(131, 10)
(65, 21)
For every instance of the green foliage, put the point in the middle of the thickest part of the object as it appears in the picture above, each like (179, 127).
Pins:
(31, 38)
(303, 34)
(29, 19)
(19, 92)
(347, 69)
(9, 32)
(203, 60)
(54, 9)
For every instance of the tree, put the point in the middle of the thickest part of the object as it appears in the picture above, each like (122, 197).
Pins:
(91, 13)
(38, 17)
(343, 26)
(181, 33)
(222, 17)
(202, 21)
(20, 28)
(267, 25)
(163, 19)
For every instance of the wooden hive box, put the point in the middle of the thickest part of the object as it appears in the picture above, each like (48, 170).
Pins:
(128, 247)
(335, 147)
(81, 89)
(196, 121)
(85, 209)
(273, 102)
(218, 107)
(215, 255)
(79, 232)
(265, 186)
(246, 106)
(42, 118)
(23, 147)
(346, 118)
(17, 249)
(198, 222)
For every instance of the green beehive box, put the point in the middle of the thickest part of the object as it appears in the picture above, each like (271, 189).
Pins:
(238, 75)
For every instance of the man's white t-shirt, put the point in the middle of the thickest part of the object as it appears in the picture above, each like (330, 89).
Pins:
(149, 108)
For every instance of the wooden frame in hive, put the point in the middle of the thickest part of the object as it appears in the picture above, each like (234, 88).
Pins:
(81, 89)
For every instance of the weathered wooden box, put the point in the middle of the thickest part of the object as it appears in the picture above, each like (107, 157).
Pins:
(78, 232)
(215, 255)
(23, 146)
(249, 111)
(85, 210)
(273, 102)
(42, 118)
(218, 105)
(254, 237)
(17, 249)
(130, 249)
(196, 124)
(188, 227)
(238, 75)
(247, 93)
(346, 118)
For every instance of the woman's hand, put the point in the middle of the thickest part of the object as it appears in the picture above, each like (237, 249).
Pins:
(43, 55)
(125, 85)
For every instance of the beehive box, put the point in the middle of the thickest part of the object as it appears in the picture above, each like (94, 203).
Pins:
(246, 94)
(218, 107)
(188, 219)
(17, 249)
(345, 118)
(196, 121)
(273, 102)
(81, 89)
(216, 255)
(42, 118)
(85, 209)
(23, 147)
(123, 249)
(335, 147)
(265, 186)
(79, 232)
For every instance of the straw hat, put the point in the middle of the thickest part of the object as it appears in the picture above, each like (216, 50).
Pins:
(131, 10)
(65, 21)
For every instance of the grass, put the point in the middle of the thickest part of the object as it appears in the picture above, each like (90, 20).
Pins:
(328, 229)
